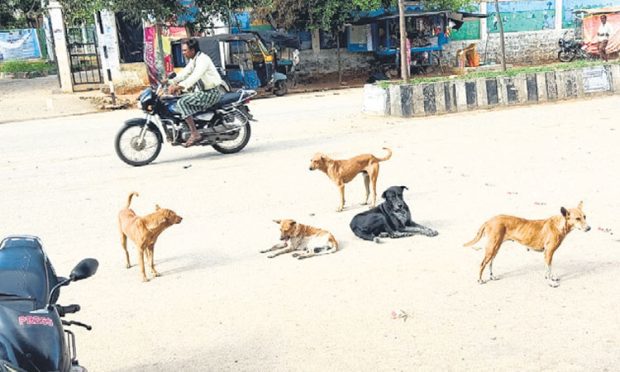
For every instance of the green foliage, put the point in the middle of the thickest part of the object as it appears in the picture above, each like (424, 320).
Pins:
(19, 13)
(27, 66)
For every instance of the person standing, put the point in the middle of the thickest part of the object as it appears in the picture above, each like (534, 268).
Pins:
(603, 34)
(200, 76)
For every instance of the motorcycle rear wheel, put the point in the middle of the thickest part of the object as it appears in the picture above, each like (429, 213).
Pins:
(134, 152)
(237, 144)
(566, 55)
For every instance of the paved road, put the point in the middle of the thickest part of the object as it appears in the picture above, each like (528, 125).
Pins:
(220, 305)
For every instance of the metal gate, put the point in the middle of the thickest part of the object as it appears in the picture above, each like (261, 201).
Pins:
(85, 63)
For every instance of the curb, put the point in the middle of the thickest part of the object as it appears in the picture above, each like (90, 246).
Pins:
(414, 100)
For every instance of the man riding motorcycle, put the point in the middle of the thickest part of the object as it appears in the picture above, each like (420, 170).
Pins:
(201, 76)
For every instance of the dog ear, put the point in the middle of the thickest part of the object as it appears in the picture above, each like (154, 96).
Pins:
(277, 221)
(384, 195)
(157, 207)
(404, 188)
(564, 212)
(580, 206)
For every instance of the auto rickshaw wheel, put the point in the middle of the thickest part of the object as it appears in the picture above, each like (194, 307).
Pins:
(280, 88)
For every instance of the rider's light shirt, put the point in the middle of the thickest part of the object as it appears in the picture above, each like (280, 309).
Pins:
(199, 71)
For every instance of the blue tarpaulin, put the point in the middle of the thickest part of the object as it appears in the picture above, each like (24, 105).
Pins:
(19, 44)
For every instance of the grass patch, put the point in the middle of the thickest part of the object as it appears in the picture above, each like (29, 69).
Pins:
(11, 67)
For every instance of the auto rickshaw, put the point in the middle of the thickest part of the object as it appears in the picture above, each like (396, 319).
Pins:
(243, 61)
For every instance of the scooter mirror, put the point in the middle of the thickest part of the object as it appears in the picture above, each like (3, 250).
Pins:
(86, 268)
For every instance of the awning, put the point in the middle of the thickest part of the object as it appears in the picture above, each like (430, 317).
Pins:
(606, 10)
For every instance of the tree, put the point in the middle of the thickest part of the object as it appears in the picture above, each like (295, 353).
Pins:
(20, 13)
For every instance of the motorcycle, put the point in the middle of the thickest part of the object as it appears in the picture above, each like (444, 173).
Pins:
(32, 329)
(571, 49)
(225, 126)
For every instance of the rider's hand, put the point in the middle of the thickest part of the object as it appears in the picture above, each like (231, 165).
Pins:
(164, 81)
(175, 89)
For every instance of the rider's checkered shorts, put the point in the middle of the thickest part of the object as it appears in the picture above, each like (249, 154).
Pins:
(197, 101)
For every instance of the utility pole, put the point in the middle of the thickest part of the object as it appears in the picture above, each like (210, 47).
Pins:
(404, 67)
(501, 35)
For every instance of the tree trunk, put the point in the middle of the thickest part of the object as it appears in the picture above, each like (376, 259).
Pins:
(501, 35)
(404, 67)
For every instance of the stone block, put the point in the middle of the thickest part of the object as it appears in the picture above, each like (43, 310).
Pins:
(531, 85)
(376, 100)
(418, 100)
(481, 92)
(430, 99)
(552, 87)
(492, 92)
(395, 100)
(406, 100)
(440, 97)
(615, 78)
(461, 96)
(471, 94)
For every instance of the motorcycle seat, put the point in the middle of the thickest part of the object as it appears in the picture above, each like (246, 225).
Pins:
(228, 98)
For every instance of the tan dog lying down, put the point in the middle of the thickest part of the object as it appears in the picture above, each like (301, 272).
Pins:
(144, 231)
(343, 171)
(310, 240)
(539, 235)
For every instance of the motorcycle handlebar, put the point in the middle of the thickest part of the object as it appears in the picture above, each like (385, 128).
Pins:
(69, 309)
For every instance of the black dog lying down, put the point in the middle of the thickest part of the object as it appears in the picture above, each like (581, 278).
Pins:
(389, 219)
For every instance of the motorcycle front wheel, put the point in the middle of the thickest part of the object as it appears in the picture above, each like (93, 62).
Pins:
(566, 55)
(135, 151)
(235, 145)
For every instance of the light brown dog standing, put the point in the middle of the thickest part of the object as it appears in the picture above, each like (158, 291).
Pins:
(343, 171)
(144, 231)
(310, 240)
(539, 235)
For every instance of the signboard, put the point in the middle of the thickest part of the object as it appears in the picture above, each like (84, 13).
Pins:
(158, 53)
(19, 44)
(595, 79)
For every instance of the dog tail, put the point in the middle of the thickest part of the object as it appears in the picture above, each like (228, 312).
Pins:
(388, 156)
(478, 236)
(131, 196)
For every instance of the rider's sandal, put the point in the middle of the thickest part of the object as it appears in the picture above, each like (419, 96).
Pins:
(192, 141)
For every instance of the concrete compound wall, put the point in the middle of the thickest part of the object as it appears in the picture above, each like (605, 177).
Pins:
(409, 100)
(326, 61)
(528, 47)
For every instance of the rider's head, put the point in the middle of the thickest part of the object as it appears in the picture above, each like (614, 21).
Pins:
(603, 19)
(190, 47)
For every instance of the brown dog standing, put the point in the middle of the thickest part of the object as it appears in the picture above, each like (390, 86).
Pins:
(144, 231)
(310, 240)
(539, 235)
(343, 171)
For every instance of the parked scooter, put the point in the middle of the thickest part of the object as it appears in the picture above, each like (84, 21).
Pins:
(572, 48)
(32, 332)
(225, 126)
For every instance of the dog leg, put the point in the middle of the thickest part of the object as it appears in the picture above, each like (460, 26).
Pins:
(419, 229)
(275, 247)
(341, 189)
(124, 245)
(491, 276)
(287, 250)
(141, 253)
(151, 256)
(367, 186)
(552, 280)
(374, 174)
(400, 234)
